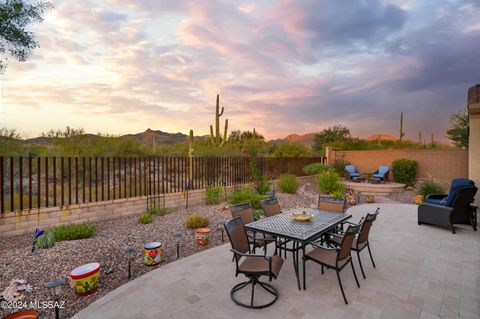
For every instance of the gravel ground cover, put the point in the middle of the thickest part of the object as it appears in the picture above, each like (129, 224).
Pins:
(106, 248)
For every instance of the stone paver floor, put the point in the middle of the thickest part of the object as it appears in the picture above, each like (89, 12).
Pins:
(422, 272)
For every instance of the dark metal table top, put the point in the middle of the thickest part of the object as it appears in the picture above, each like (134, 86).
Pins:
(283, 225)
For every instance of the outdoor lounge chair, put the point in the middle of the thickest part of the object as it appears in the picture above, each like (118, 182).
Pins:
(381, 174)
(351, 172)
(361, 242)
(454, 208)
(335, 259)
(244, 211)
(252, 266)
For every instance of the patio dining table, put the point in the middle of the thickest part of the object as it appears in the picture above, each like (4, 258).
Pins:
(282, 226)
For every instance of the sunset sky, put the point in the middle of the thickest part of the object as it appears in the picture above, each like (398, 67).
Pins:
(287, 66)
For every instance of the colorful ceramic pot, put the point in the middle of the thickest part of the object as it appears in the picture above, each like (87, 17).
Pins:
(419, 199)
(24, 314)
(153, 254)
(370, 199)
(351, 199)
(201, 236)
(85, 278)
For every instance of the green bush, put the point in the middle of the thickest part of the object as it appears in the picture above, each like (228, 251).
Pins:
(404, 170)
(47, 240)
(262, 185)
(430, 186)
(160, 211)
(73, 231)
(329, 182)
(288, 183)
(214, 195)
(246, 194)
(314, 168)
(196, 221)
(339, 166)
(145, 218)
(257, 213)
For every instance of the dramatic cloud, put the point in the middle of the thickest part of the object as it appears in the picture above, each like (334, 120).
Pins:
(280, 66)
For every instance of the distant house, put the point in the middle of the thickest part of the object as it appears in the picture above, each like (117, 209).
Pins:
(381, 137)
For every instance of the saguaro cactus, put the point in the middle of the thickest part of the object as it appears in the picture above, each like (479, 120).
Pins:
(420, 137)
(402, 133)
(217, 139)
(190, 157)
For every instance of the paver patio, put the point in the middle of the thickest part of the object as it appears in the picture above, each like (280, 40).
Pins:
(422, 272)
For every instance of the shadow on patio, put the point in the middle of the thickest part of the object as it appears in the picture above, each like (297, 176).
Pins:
(422, 272)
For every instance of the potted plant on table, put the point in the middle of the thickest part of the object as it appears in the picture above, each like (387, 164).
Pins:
(331, 192)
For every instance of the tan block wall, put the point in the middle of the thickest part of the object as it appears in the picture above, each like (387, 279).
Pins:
(443, 165)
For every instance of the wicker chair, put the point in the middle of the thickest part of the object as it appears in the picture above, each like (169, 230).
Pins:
(361, 242)
(252, 266)
(335, 259)
(244, 211)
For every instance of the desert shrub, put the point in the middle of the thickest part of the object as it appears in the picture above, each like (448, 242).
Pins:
(329, 182)
(314, 168)
(145, 218)
(160, 211)
(47, 240)
(257, 213)
(339, 166)
(214, 195)
(404, 170)
(262, 185)
(246, 194)
(196, 221)
(73, 231)
(430, 186)
(288, 183)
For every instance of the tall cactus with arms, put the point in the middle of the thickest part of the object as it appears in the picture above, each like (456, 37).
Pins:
(217, 139)
(402, 133)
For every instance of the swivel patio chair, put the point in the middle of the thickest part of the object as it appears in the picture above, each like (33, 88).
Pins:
(455, 208)
(381, 174)
(351, 172)
(335, 259)
(361, 241)
(245, 212)
(252, 266)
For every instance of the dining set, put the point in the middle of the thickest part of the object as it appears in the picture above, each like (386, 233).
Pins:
(304, 234)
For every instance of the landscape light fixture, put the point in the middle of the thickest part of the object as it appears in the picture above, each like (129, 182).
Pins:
(130, 254)
(54, 289)
(177, 242)
(221, 227)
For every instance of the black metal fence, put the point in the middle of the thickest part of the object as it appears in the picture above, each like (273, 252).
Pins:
(29, 183)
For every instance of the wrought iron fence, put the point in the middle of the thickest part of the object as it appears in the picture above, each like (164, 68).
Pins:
(30, 183)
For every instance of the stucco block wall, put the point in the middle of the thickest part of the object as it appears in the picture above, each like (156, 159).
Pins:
(443, 165)
(474, 152)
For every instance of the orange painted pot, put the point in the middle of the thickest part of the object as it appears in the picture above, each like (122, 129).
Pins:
(24, 314)
(419, 199)
(85, 278)
(201, 236)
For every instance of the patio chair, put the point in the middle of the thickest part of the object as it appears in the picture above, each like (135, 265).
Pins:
(381, 174)
(361, 241)
(351, 172)
(336, 259)
(270, 207)
(455, 208)
(245, 212)
(252, 266)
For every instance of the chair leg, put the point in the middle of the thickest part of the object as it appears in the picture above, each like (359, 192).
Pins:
(341, 287)
(304, 281)
(371, 257)
(354, 273)
(360, 263)
(322, 269)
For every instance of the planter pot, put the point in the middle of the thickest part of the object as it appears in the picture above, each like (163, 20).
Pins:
(85, 278)
(23, 314)
(152, 253)
(370, 199)
(201, 236)
(418, 199)
(331, 204)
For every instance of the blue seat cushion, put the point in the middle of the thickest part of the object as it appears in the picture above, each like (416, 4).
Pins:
(435, 201)
(378, 175)
(456, 184)
(354, 174)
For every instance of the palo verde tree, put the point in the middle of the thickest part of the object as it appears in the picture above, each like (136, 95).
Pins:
(330, 134)
(15, 40)
(458, 132)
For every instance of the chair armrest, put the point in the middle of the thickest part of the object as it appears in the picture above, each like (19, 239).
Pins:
(435, 214)
(436, 196)
(269, 258)
(258, 238)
